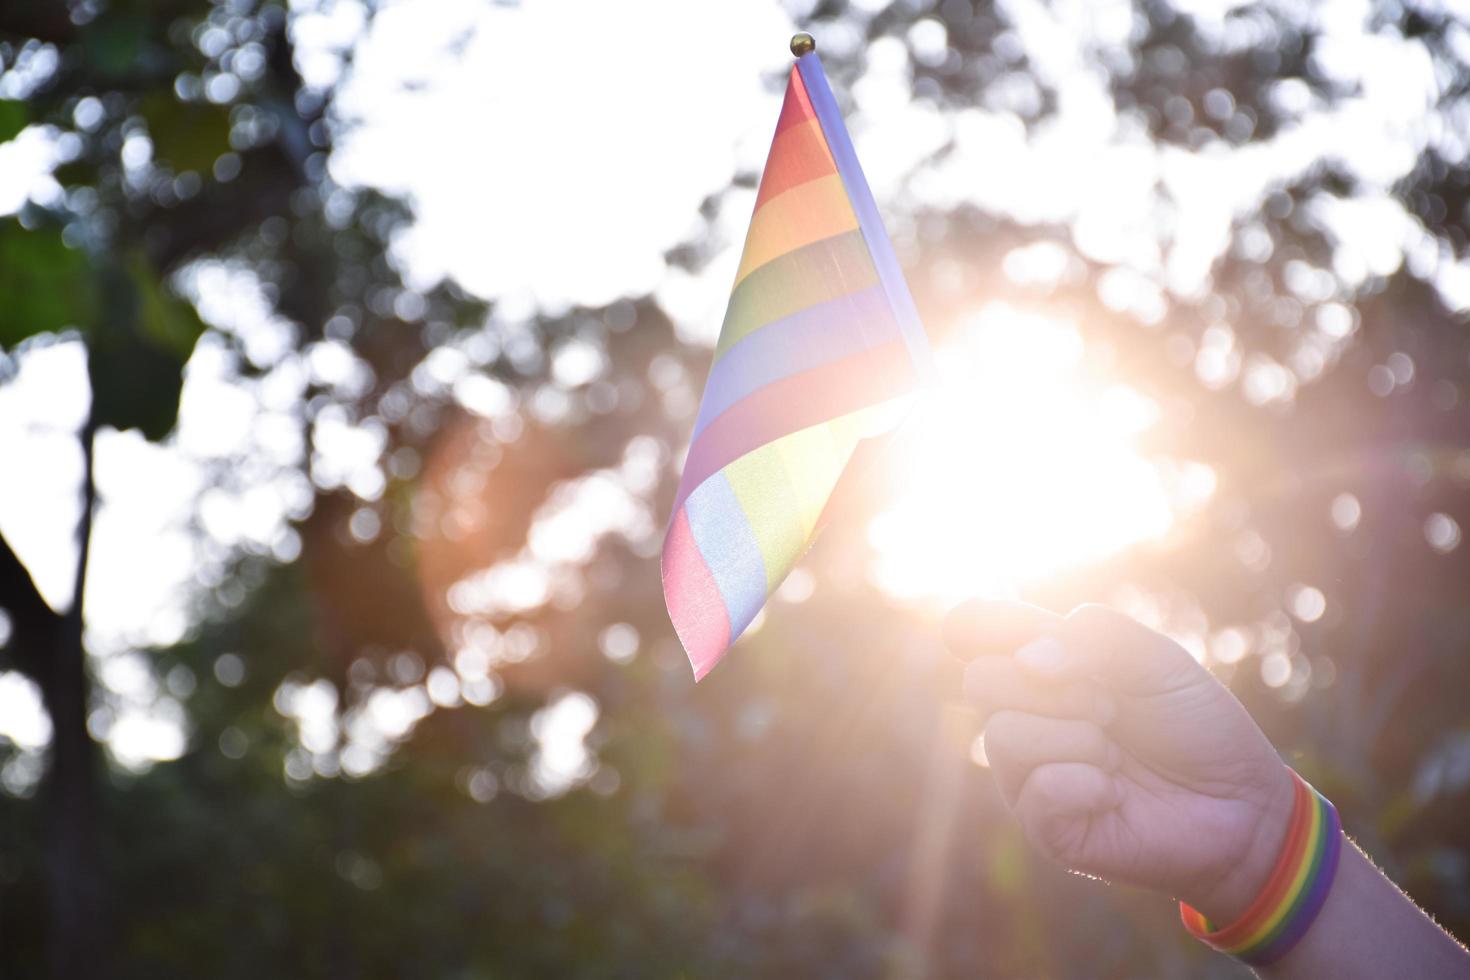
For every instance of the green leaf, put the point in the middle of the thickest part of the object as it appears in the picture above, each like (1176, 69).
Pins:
(77, 173)
(13, 118)
(137, 350)
(134, 386)
(186, 135)
(112, 44)
(170, 323)
(137, 339)
(44, 286)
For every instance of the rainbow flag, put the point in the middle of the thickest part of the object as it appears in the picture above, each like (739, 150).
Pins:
(819, 340)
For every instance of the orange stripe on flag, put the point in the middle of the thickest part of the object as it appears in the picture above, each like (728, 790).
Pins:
(809, 213)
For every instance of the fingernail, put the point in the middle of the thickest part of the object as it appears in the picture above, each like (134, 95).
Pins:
(1043, 656)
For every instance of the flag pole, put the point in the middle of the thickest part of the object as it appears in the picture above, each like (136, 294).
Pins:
(885, 450)
(890, 275)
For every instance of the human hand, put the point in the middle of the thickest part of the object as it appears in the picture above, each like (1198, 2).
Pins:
(1120, 755)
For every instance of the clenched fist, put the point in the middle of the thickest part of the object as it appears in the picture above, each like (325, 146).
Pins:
(1120, 755)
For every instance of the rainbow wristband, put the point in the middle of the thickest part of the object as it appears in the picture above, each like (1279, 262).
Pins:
(1294, 893)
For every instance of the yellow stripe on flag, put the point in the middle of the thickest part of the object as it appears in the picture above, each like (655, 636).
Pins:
(812, 465)
(766, 494)
(850, 429)
(784, 486)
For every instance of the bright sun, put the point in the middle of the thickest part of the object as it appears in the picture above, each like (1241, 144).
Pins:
(1025, 464)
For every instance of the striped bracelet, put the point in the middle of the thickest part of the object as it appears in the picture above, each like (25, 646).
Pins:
(1294, 893)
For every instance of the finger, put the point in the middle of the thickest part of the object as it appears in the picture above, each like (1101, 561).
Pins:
(1017, 743)
(1060, 789)
(1107, 644)
(989, 627)
(1045, 659)
(997, 683)
(1054, 797)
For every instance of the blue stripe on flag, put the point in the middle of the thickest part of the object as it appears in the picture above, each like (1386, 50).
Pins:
(811, 338)
(724, 538)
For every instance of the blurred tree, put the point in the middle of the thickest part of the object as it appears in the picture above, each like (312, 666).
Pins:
(96, 260)
(370, 787)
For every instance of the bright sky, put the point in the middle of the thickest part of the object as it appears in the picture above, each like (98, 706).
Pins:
(571, 144)
(555, 151)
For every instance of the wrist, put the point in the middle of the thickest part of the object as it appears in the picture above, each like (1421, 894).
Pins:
(1227, 895)
(1294, 893)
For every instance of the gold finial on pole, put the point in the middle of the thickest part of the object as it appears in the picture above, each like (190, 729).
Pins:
(803, 43)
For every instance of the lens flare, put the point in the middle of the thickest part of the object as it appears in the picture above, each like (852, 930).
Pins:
(1025, 465)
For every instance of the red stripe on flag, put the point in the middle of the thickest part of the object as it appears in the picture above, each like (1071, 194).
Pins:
(798, 155)
(695, 606)
(794, 403)
(798, 107)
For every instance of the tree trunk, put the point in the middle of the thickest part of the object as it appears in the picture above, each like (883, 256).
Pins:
(78, 920)
(48, 648)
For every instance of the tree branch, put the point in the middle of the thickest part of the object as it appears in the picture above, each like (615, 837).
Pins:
(33, 623)
(73, 617)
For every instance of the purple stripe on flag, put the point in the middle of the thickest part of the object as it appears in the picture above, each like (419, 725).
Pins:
(890, 274)
(819, 335)
(725, 540)
(791, 404)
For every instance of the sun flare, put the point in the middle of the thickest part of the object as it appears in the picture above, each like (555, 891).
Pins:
(1026, 465)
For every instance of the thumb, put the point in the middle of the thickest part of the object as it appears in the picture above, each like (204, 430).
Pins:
(995, 627)
(1123, 652)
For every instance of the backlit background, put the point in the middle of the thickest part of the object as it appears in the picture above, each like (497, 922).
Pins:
(348, 353)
